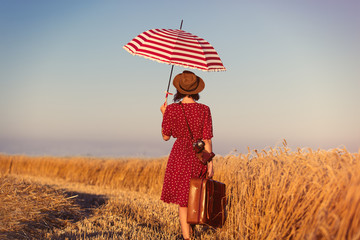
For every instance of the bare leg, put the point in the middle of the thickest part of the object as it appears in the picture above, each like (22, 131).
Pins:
(183, 222)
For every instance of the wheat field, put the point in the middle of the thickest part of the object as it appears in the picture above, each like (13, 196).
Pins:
(272, 194)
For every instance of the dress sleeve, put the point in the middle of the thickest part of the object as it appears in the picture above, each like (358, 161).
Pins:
(166, 122)
(208, 129)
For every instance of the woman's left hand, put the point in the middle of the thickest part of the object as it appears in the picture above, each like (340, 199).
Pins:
(210, 170)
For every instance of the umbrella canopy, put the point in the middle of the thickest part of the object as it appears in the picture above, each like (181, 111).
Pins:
(176, 47)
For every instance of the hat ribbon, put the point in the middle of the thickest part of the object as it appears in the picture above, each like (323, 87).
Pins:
(190, 90)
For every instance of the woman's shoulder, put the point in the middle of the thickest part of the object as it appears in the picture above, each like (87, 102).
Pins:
(197, 105)
(203, 106)
(172, 106)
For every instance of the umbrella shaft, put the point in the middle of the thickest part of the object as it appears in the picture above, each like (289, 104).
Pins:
(172, 68)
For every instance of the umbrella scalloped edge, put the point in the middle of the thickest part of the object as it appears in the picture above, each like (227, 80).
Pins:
(177, 64)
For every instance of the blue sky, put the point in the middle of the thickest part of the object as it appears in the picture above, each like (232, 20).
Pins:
(68, 88)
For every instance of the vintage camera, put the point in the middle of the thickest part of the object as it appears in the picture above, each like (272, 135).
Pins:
(199, 146)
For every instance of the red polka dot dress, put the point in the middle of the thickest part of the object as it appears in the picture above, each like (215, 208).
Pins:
(183, 163)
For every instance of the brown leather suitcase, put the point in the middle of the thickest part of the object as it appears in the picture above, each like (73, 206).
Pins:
(207, 202)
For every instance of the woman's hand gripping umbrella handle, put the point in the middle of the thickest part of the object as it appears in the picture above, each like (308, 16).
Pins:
(163, 107)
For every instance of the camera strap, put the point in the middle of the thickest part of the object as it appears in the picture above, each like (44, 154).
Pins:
(192, 137)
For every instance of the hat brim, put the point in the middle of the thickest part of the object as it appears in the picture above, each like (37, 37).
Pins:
(176, 83)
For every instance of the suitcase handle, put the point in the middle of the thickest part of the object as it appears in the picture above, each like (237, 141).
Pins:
(204, 175)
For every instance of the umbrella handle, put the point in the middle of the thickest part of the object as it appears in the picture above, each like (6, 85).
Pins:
(166, 97)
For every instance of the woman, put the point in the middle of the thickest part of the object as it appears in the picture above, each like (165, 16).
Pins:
(183, 163)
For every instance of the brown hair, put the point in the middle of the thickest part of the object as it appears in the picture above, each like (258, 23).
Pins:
(178, 96)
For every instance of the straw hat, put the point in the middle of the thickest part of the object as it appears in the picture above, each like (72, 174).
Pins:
(188, 83)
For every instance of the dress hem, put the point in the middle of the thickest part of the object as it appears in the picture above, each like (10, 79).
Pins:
(169, 202)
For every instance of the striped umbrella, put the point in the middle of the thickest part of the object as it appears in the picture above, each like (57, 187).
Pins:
(176, 47)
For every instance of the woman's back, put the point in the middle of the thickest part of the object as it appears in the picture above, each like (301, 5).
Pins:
(198, 116)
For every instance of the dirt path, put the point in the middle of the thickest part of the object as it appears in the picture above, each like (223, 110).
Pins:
(74, 186)
(113, 214)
